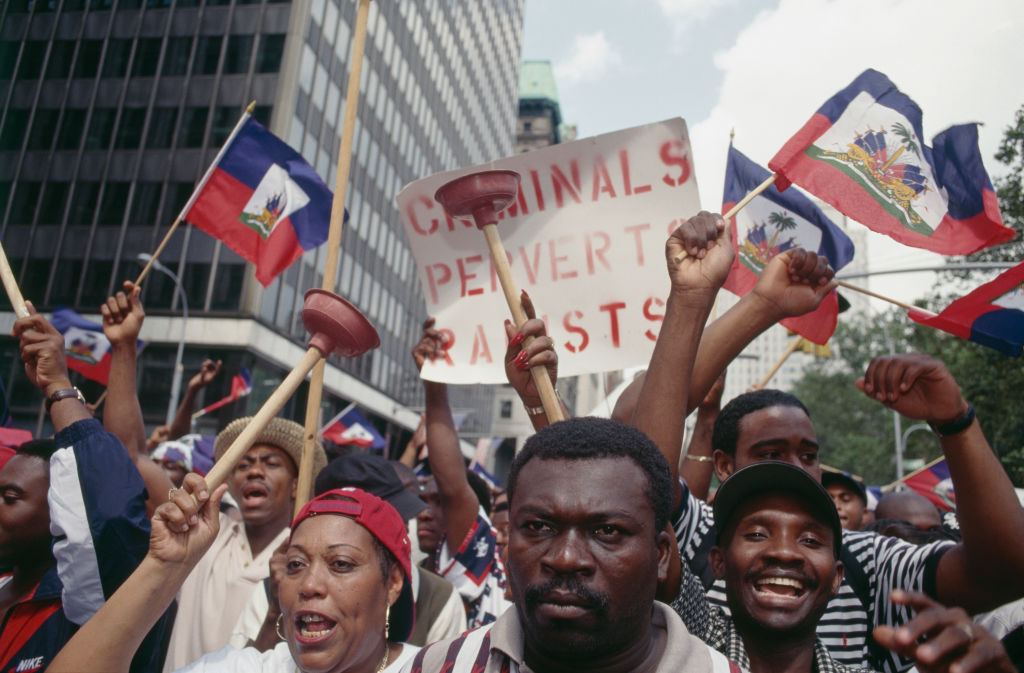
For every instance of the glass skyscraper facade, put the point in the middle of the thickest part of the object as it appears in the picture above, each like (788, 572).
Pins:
(112, 110)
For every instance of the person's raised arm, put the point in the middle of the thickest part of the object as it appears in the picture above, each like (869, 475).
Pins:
(695, 467)
(986, 568)
(42, 352)
(122, 417)
(661, 406)
(183, 530)
(182, 423)
(519, 359)
(459, 503)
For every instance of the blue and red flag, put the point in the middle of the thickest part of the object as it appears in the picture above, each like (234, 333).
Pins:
(863, 152)
(933, 482)
(241, 385)
(991, 315)
(262, 200)
(86, 347)
(772, 223)
(351, 427)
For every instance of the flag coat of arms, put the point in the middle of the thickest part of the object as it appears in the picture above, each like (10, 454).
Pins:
(772, 223)
(351, 427)
(991, 315)
(86, 347)
(263, 201)
(864, 153)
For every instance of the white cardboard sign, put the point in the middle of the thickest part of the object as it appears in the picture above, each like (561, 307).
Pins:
(585, 239)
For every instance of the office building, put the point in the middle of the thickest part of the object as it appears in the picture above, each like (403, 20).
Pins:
(113, 109)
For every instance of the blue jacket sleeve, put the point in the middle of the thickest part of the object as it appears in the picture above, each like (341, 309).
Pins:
(97, 516)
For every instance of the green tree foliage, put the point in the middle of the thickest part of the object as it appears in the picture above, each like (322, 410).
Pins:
(855, 432)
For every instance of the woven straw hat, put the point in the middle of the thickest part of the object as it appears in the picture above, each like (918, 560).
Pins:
(284, 434)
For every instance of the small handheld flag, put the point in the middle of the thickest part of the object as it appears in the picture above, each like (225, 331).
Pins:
(351, 427)
(772, 223)
(263, 201)
(86, 347)
(241, 385)
(991, 315)
(863, 152)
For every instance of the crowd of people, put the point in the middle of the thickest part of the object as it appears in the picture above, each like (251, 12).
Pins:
(606, 551)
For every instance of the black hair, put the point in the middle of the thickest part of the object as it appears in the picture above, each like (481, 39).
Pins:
(479, 486)
(905, 530)
(39, 448)
(727, 425)
(589, 438)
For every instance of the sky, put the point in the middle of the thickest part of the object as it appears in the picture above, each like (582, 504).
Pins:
(763, 67)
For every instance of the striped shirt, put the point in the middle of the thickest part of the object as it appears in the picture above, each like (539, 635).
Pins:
(883, 563)
(500, 648)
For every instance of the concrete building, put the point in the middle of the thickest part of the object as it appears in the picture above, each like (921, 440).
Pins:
(112, 109)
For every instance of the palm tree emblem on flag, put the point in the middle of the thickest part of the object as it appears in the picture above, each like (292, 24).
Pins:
(758, 249)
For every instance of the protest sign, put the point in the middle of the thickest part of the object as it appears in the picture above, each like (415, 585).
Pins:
(585, 238)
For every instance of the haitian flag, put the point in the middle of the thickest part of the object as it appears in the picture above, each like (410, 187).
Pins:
(86, 347)
(262, 200)
(863, 152)
(774, 222)
(991, 315)
(351, 427)
(241, 385)
(933, 482)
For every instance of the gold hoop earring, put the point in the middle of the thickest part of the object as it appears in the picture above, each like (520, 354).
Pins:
(277, 627)
(387, 621)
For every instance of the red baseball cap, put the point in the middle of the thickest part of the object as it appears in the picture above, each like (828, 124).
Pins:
(384, 523)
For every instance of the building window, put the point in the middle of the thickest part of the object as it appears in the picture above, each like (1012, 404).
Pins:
(8, 55)
(100, 129)
(175, 200)
(261, 113)
(115, 196)
(14, 129)
(177, 55)
(147, 54)
(145, 204)
(71, 129)
(224, 119)
(115, 64)
(207, 55)
(32, 59)
(23, 207)
(52, 208)
(88, 62)
(506, 409)
(129, 131)
(83, 203)
(42, 129)
(59, 64)
(193, 127)
(161, 127)
(238, 54)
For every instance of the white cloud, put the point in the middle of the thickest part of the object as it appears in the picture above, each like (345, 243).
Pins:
(682, 14)
(592, 55)
(958, 61)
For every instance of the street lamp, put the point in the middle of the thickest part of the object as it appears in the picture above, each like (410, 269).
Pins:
(172, 404)
(902, 448)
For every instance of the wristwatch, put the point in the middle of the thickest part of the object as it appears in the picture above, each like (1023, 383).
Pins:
(63, 394)
(955, 426)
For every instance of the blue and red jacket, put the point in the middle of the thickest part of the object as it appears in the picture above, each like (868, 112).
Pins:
(98, 519)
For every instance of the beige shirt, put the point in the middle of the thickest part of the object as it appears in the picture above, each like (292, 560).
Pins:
(215, 592)
(500, 646)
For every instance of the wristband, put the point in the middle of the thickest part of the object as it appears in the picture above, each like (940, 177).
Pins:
(699, 459)
(63, 394)
(954, 427)
(534, 411)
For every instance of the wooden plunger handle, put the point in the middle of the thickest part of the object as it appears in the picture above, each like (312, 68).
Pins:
(11, 285)
(220, 470)
(548, 398)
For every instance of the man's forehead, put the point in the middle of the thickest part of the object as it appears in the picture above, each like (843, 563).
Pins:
(592, 478)
(25, 471)
(771, 420)
(772, 503)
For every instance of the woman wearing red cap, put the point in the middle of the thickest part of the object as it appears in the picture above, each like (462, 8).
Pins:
(346, 598)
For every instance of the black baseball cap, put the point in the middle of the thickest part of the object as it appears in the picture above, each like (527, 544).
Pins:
(372, 474)
(771, 476)
(846, 479)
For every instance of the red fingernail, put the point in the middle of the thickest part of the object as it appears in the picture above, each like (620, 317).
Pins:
(521, 359)
(517, 339)
(522, 366)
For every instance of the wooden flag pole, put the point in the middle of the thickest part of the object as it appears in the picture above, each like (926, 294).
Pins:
(11, 286)
(889, 487)
(739, 205)
(316, 383)
(869, 293)
(785, 356)
(195, 192)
